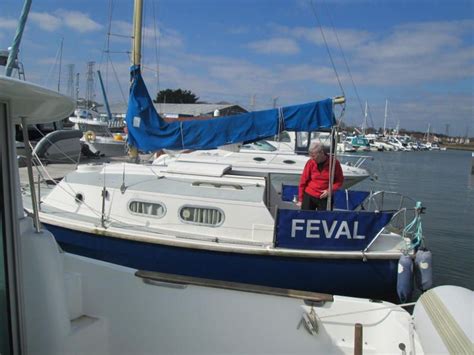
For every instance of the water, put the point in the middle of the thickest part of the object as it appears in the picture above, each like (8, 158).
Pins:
(441, 181)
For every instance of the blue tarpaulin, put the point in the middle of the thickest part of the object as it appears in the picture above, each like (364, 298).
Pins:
(328, 230)
(148, 132)
(343, 199)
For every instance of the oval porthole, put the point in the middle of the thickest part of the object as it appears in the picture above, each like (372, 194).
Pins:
(289, 161)
(146, 208)
(259, 159)
(200, 215)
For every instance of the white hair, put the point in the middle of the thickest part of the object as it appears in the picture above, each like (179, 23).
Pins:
(316, 147)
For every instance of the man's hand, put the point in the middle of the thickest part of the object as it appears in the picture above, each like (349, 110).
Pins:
(298, 203)
(324, 194)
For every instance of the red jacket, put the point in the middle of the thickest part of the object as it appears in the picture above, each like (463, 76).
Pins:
(314, 182)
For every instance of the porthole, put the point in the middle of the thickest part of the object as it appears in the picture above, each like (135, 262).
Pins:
(203, 216)
(259, 159)
(289, 161)
(145, 208)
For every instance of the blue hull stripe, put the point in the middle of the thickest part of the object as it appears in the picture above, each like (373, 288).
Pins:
(374, 279)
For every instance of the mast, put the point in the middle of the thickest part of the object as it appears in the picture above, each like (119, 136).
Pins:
(137, 32)
(109, 113)
(12, 56)
(60, 64)
(385, 118)
(364, 124)
(339, 100)
(136, 56)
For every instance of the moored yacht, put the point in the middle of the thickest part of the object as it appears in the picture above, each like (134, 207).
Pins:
(207, 220)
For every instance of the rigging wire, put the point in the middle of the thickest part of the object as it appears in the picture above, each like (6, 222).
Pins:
(53, 67)
(327, 46)
(344, 58)
(107, 52)
(347, 66)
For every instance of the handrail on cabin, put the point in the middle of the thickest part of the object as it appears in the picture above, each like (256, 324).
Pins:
(182, 280)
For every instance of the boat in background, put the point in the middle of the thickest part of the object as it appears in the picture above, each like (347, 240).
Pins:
(263, 162)
(104, 135)
(360, 143)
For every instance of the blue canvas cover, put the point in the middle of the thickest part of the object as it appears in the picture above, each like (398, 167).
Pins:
(148, 132)
(349, 199)
(343, 199)
(328, 230)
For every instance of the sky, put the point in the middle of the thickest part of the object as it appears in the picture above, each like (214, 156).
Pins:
(418, 55)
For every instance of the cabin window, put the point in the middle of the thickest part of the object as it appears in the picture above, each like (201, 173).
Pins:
(144, 208)
(204, 216)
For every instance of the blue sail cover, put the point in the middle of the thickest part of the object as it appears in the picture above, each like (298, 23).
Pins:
(328, 230)
(148, 132)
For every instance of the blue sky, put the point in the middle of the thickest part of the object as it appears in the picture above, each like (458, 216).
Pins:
(417, 54)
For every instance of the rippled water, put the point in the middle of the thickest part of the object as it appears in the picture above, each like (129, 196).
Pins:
(441, 181)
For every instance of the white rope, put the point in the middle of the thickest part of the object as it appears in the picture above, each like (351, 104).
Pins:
(393, 307)
(67, 192)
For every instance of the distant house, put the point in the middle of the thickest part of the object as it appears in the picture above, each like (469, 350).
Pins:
(171, 111)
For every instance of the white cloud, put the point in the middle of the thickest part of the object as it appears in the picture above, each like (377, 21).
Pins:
(167, 38)
(78, 21)
(417, 54)
(45, 21)
(8, 23)
(418, 39)
(275, 46)
(81, 22)
(348, 38)
(306, 72)
(412, 53)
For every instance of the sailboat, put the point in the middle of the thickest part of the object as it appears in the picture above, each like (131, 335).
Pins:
(226, 221)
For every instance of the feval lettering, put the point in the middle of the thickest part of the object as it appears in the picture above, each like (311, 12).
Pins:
(343, 230)
(295, 227)
(313, 225)
(356, 227)
(328, 233)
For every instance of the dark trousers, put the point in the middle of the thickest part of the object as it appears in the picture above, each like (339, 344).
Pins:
(313, 203)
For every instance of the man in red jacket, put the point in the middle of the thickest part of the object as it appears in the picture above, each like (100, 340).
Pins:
(314, 182)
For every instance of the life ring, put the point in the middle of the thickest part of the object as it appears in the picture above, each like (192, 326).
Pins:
(89, 136)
